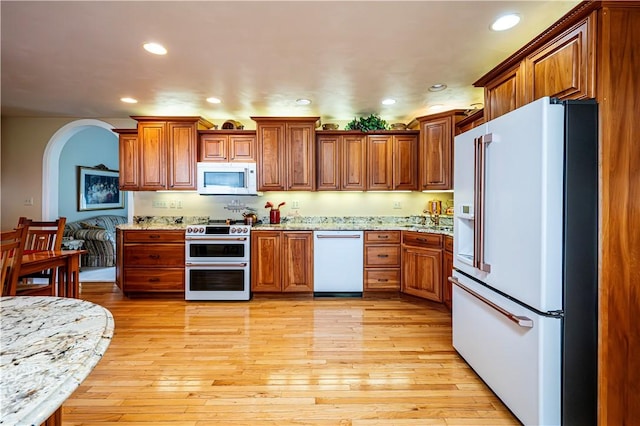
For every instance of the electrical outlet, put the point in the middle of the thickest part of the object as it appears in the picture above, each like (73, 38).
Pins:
(295, 204)
(179, 204)
(28, 201)
(172, 204)
(397, 205)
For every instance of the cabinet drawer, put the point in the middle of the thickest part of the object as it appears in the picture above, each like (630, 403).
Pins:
(382, 237)
(163, 255)
(377, 256)
(154, 236)
(382, 279)
(448, 243)
(422, 239)
(153, 279)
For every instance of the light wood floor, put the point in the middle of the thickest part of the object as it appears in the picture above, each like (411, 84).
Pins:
(280, 362)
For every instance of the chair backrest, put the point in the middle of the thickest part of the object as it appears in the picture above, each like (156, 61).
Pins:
(43, 235)
(12, 243)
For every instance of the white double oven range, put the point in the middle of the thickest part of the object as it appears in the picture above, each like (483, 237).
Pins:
(217, 261)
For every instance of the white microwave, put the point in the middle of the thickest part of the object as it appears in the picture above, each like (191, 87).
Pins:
(227, 179)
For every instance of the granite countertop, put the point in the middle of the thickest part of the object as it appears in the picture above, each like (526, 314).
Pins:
(49, 346)
(312, 223)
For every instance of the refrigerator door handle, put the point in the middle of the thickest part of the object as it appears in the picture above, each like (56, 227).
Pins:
(479, 201)
(522, 321)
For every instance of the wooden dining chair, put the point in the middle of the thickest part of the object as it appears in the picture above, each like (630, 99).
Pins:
(41, 236)
(12, 243)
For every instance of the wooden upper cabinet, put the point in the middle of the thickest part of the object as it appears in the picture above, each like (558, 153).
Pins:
(153, 155)
(219, 146)
(559, 63)
(504, 93)
(182, 144)
(436, 149)
(471, 121)
(380, 162)
(405, 168)
(128, 153)
(300, 155)
(564, 68)
(341, 162)
(166, 155)
(286, 153)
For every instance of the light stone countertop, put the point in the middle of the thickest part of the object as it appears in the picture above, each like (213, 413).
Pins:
(49, 346)
(366, 223)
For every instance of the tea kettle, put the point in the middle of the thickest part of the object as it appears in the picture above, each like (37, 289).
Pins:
(250, 218)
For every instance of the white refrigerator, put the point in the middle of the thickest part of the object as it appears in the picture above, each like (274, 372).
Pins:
(525, 259)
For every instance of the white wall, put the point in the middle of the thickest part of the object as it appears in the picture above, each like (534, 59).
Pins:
(311, 203)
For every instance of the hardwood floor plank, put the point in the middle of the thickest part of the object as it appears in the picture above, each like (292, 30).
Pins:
(290, 361)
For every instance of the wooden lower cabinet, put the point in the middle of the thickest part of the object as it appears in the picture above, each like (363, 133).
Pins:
(381, 260)
(422, 265)
(150, 261)
(282, 261)
(447, 269)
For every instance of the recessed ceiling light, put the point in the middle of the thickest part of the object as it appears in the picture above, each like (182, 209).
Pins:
(214, 100)
(436, 107)
(437, 87)
(505, 22)
(129, 100)
(155, 48)
(388, 101)
(303, 101)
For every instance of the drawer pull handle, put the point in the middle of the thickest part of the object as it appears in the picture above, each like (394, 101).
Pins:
(154, 236)
(383, 255)
(422, 240)
(522, 321)
(383, 236)
(382, 280)
(154, 256)
(154, 280)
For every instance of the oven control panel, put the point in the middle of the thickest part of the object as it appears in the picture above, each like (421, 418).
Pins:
(197, 230)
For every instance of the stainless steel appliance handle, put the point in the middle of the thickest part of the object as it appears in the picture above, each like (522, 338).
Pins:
(518, 319)
(339, 236)
(216, 265)
(479, 202)
(203, 238)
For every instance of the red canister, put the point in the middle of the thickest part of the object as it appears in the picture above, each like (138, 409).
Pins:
(274, 216)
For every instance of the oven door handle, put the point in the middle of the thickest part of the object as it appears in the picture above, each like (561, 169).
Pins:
(205, 239)
(217, 265)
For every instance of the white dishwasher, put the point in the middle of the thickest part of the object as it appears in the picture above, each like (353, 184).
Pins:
(338, 262)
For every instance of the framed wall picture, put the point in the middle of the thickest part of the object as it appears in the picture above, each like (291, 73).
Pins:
(98, 189)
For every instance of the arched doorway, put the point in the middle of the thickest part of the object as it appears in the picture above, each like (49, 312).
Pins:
(51, 160)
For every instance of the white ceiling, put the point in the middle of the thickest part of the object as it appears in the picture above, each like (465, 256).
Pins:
(77, 59)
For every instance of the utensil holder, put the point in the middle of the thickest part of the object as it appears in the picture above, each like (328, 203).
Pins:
(274, 217)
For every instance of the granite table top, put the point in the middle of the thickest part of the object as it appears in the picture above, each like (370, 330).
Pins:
(49, 345)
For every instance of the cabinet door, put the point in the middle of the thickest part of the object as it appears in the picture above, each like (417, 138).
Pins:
(436, 165)
(564, 68)
(380, 162)
(271, 160)
(242, 148)
(504, 94)
(153, 155)
(214, 148)
(354, 162)
(447, 269)
(266, 261)
(183, 154)
(405, 167)
(128, 150)
(297, 258)
(328, 158)
(300, 156)
(421, 272)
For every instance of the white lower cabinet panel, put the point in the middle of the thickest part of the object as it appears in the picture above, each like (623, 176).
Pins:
(520, 364)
